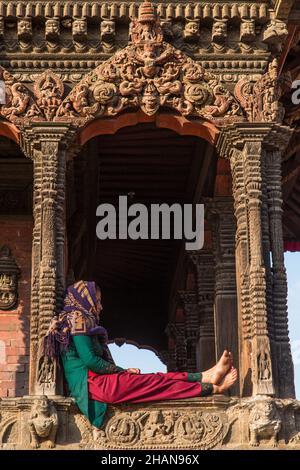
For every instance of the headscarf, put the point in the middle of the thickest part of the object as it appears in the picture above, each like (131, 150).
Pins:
(79, 317)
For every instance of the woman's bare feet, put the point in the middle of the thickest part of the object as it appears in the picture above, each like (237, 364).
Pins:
(229, 379)
(216, 374)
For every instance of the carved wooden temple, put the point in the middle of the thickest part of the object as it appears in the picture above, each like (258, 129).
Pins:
(181, 101)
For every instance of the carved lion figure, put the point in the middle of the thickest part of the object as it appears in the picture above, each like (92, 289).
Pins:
(43, 422)
(264, 422)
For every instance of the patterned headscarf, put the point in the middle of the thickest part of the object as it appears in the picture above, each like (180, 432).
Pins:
(79, 317)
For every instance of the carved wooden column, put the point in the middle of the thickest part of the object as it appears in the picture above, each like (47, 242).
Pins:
(205, 352)
(282, 359)
(245, 145)
(46, 145)
(220, 214)
(191, 310)
(176, 332)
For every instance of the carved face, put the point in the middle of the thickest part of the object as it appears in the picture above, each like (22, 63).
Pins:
(150, 101)
(52, 27)
(263, 410)
(24, 27)
(275, 33)
(107, 30)
(191, 30)
(219, 31)
(247, 31)
(79, 27)
(43, 405)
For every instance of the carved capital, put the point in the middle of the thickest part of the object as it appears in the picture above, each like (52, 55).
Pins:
(36, 134)
(235, 136)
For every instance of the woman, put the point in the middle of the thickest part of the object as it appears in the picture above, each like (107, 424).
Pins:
(95, 380)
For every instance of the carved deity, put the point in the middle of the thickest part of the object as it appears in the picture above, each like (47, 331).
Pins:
(264, 422)
(46, 371)
(9, 273)
(43, 422)
(264, 365)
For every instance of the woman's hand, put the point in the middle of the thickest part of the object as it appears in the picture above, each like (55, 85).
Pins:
(133, 370)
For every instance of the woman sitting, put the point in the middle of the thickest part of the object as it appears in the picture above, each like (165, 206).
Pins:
(95, 380)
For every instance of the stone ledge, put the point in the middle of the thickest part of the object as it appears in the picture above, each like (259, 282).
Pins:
(217, 422)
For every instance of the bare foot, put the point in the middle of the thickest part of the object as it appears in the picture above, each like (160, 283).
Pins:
(229, 379)
(216, 374)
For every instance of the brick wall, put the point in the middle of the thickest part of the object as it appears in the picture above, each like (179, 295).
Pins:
(16, 232)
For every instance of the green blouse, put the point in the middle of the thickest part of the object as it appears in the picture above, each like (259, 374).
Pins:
(85, 354)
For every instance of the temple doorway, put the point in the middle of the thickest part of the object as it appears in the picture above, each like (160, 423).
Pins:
(139, 278)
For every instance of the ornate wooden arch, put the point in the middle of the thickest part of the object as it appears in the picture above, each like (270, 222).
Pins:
(150, 76)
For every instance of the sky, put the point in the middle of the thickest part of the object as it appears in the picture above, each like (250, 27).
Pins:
(292, 264)
(129, 356)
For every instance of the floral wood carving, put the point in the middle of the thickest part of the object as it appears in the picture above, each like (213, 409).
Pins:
(22, 106)
(149, 74)
(260, 100)
(160, 428)
(17, 97)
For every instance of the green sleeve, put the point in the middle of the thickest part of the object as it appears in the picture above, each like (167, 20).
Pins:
(85, 350)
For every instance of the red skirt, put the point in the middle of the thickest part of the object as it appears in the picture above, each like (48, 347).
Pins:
(135, 388)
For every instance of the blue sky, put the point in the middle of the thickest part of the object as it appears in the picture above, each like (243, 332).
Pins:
(292, 263)
(130, 356)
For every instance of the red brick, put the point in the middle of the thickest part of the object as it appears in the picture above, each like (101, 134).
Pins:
(9, 326)
(15, 368)
(16, 343)
(5, 384)
(7, 376)
(7, 335)
(17, 351)
(17, 359)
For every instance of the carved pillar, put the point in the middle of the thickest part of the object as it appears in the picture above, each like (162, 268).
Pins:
(245, 146)
(282, 359)
(205, 351)
(191, 310)
(46, 145)
(176, 332)
(220, 214)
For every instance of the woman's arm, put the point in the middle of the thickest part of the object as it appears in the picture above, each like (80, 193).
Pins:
(84, 347)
